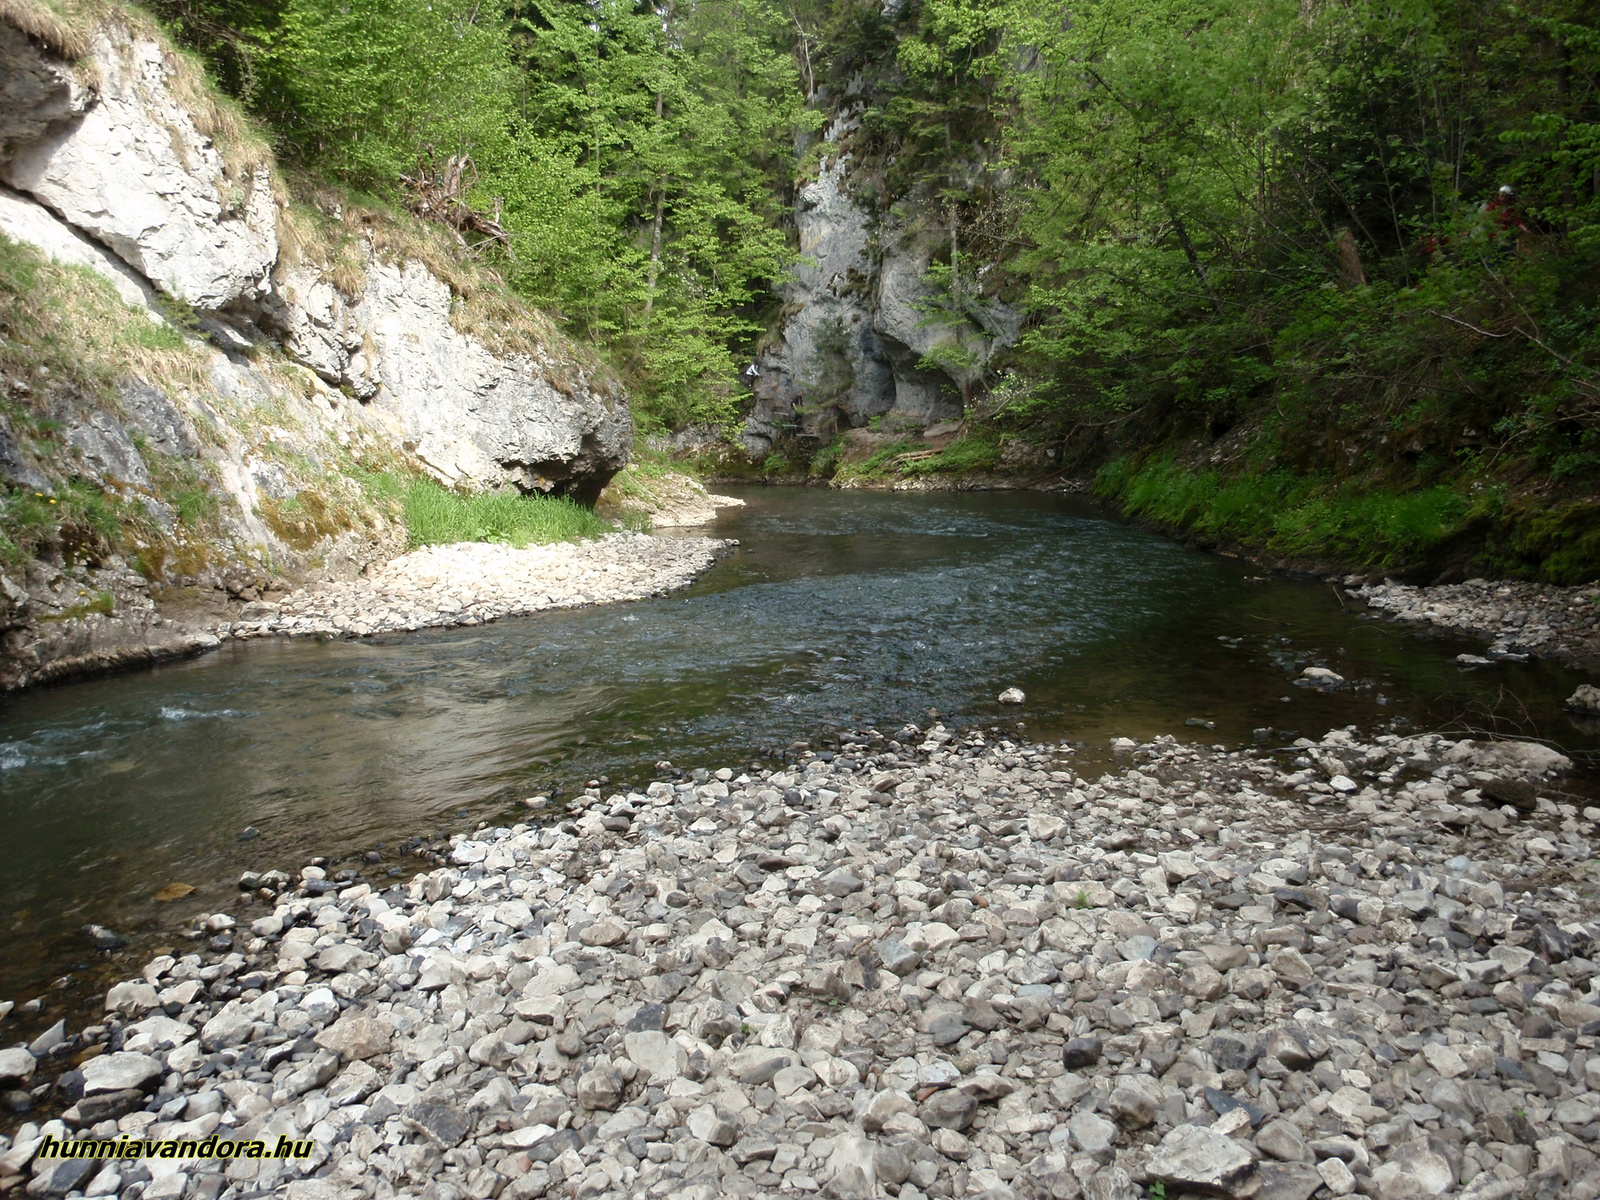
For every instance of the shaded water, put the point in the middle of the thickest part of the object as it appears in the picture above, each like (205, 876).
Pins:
(838, 609)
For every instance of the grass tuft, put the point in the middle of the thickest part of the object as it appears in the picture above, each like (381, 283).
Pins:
(47, 25)
(435, 516)
(1293, 515)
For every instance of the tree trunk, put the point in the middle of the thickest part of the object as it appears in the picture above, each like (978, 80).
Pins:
(1351, 273)
(655, 228)
(955, 257)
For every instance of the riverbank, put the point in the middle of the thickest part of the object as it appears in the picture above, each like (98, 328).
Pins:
(121, 625)
(469, 583)
(927, 965)
(1562, 623)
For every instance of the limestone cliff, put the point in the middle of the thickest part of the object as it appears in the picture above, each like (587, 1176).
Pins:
(245, 358)
(865, 333)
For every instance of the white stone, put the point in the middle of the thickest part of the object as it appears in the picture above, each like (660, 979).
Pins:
(26, 221)
(137, 176)
(17, 1065)
(118, 1072)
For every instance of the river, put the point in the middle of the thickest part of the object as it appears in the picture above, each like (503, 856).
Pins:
(837, 610)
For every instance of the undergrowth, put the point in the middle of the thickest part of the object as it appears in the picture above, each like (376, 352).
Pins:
(1293, 515)
(435, 515)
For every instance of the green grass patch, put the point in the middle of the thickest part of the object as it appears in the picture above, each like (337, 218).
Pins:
(79, 520)
(881, 461)
(974, 452)
(1291, 515)
(435, 515)
(103, 604)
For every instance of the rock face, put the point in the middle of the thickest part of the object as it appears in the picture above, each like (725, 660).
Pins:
(37, 90)
(119, 162)
(477, 419)
(135, 174)
(24, 220)
(863, 317)
(472, 418)
(125, 167)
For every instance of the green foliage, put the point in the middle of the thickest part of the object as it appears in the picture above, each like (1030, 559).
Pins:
(1237, 203)
(646, 193)
(76, 520)
(636, 155)
(435, 515)
(972, 452)
(1293, 515)
(1266, 221)
(102, 604)
(826, 460)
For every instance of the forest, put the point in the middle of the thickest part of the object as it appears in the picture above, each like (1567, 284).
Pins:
(1316, 277)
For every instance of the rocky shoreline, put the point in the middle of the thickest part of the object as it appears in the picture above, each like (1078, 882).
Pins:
(469, 583)
(1517, 619)
(923, 965)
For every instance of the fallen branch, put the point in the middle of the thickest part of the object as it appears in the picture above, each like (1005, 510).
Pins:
(439, 195)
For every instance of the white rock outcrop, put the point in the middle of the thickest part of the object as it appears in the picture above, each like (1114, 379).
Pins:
(473, 417)
(862, 319)
(22, 220)
(107, 162)
(135, 174)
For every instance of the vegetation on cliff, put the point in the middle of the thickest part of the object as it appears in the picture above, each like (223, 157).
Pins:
(1280, 261)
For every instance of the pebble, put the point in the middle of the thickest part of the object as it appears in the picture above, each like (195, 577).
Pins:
(1209, 971)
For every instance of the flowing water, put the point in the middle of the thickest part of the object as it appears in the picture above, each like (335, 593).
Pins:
(837, 610)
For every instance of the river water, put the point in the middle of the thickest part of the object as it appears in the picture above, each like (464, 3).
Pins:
(837, 610)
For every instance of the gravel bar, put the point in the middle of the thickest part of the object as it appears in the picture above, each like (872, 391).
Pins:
(928, 965)
(1517, 619)
(470, 583)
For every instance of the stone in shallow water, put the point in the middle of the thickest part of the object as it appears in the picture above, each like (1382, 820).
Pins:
(102, 938)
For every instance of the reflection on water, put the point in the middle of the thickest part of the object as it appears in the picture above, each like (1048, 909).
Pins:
(838, 609)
